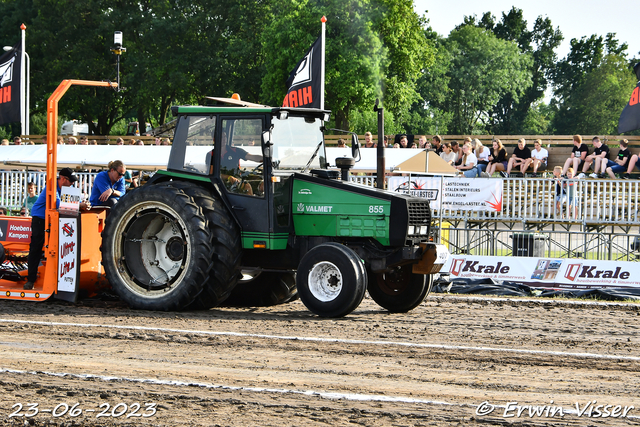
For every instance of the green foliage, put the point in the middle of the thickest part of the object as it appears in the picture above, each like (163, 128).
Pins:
(483, 70)
(593, 85)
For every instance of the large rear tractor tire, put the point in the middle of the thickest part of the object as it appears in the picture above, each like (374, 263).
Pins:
(399, 290)
(331, 280)
(226, 244)
(264, 290)
(156, 248)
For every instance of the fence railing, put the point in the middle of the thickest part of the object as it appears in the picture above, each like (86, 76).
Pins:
(597, 201)
(13, 186)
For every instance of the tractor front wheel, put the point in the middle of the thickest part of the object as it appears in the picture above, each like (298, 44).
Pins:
(331, 280)
(398, 290)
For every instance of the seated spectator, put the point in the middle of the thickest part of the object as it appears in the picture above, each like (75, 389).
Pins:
(497, 158)
(385, 141)
(413, 145)
(578, 154)
(620, 163)
(457, 149)
(130, 181)
(157, 140)
(72, 140)
(119, 141)
(538, 158)
(165, 141)
(396, 145)
(404, 141)
(368, 140)
(17, 140)
(521, 155)
(4, 142)
(60, 140)
(139, 142)
(422, 142)
(447, 154)
(436, 144)
(31, 196)
(482, 153)
(108, 186)
(84, 140)
(600, 155)
(93, 142)
(341, 143)
(3, 210)
(469, 162)
(24, 211)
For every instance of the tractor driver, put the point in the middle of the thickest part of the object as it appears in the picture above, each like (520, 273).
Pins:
(230, 165)
(66, 178)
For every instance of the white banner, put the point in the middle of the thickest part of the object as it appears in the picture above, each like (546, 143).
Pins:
(461, 194)
(556, 273)
(68, 255)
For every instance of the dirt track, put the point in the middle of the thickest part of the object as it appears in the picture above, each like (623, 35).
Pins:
(245, 367)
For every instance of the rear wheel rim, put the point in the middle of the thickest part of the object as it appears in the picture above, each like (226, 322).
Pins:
(151, 249)
(325, 281)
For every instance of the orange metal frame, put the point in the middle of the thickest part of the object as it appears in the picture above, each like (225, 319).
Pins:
(90, 275)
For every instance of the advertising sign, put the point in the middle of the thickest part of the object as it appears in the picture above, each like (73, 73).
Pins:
(547, 272)
(70, 201)
(68, 255)
(458, 194)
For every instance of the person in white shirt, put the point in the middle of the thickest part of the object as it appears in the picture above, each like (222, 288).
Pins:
(482, 153)
(469, 162)
(538, 158)
(447, 154)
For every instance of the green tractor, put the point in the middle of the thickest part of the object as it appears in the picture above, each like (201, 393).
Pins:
(207, 231)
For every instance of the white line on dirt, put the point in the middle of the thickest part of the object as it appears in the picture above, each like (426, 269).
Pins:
(330, 340)
(311, 393)
(322, 394)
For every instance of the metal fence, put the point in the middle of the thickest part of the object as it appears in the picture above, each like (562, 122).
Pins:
(13, 186)
(597, 201)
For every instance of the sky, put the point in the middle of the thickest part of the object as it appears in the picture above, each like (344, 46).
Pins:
(574, 18)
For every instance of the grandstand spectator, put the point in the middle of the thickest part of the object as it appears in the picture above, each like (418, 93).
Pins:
(497, 158)
(578, 154)
(368, 140)
(519, 157)
(341, 143)
(456, 148)
(436, 144)
(60, 140)
(570, 186)
(119, 141)
(73, 140)
(17, 141)
(165, 141)
(4, 142)
(3, 210)
(404, 141)
(84, 140)
(611, 167)
(561, 195)
(482, 153)
(600, 155)
(538, 158)
(447, 154)
(469, 162)
(422, 142)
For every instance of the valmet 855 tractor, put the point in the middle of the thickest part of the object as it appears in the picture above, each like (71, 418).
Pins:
(247, 194)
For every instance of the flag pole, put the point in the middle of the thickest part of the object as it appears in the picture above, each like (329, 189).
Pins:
(23, 82)
(324, 27)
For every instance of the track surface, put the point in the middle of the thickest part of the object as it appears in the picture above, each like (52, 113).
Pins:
(282, 366)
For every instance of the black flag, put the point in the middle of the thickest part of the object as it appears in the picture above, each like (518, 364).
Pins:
(10, 102)
(630, 117)
(304, 84)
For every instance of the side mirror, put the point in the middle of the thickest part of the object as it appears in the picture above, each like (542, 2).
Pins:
(266, 144)
(355, 146)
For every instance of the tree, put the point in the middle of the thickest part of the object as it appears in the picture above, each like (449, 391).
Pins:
(509, 114)
(483, 70)
(592, 86)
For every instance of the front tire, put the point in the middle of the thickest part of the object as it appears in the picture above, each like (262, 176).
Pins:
(399, 290)
(157, 248)
(331, 280)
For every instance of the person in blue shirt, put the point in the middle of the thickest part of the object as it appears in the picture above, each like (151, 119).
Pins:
(66, 178)
(108, 186)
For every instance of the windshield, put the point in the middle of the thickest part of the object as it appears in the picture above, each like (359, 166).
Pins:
(295, 139)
